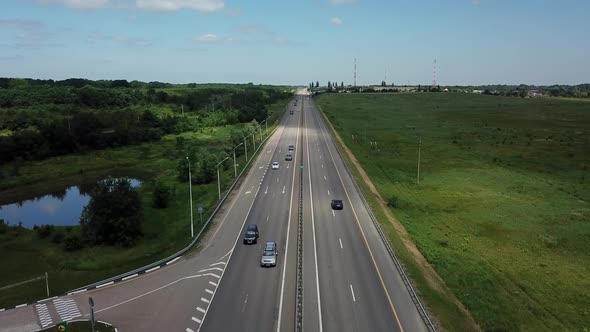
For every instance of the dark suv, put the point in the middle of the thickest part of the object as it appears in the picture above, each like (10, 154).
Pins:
(337, 204)
(251, 234)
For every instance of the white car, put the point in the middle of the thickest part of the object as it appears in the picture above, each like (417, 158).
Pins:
(275, 165)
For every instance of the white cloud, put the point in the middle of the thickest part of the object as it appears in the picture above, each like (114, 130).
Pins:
(206, 38)
(336, 21)
(79, 4)
(341, 2)
(207, 6)
(132, 42)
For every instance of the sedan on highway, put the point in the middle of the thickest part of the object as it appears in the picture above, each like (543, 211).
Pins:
(337, 204)
(291, 147)
(270, 254)
(275, 165)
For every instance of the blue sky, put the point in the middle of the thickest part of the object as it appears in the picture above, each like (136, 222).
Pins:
(294, 42)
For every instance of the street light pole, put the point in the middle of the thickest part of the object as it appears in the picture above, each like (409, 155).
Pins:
(218, 178)
(235, 165)
(418, 171)
(245, 149)
(190, 195)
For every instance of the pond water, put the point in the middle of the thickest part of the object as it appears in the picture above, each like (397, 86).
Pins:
(61, 208)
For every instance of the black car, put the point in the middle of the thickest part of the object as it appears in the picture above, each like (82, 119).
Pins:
(337, 204)
(251, 234)
(289, 157)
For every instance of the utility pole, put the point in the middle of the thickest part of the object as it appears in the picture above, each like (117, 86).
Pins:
(418, 171)
(245, 149)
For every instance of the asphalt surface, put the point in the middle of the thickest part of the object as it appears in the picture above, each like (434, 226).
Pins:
(350, 282)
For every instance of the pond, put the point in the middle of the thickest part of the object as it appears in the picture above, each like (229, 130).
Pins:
(61, 208)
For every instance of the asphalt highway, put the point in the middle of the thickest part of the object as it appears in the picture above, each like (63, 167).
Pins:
(350, 282)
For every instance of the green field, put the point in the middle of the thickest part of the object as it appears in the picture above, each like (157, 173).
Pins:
(25, 256)
(501, 211)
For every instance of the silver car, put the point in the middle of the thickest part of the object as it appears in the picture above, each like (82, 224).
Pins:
(270, 254)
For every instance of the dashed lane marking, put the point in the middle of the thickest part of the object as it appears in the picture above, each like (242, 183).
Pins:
(197, 320)
(189, 330)
(212, 284)
(218, 263)
(340, 243)
(352, 292)
(200, 309)
(209, 291)
(205, 300)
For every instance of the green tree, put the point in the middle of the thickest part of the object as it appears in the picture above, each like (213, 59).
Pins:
(113, 216)
(160, 196)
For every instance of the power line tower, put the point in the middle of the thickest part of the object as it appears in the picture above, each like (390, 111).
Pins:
(354, 72)
(434, 74)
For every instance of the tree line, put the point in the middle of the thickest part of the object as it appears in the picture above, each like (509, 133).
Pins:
(40, 119)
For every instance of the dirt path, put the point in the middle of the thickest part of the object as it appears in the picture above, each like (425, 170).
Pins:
(432, 278)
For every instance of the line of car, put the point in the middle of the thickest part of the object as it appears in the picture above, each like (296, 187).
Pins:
(270, 253)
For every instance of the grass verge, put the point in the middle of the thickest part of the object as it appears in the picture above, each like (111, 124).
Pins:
(501, 212)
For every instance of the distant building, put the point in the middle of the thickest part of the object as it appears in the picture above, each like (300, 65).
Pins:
(535, 94)
(477, 91)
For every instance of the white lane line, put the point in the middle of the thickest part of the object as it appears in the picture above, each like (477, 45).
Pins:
(229, 252)
(340, 240)
(189, 330)
(218, 263)
(104, 285)
(205, 300)
(333, 213)
(152, 269)
(325, 178)
(235, 244)
(213, 275)
(315, 250)
(212, 284)
(209, 291)
(287, 165)
(200, 309)
(320, 156)
(174, 260)
(328, 192)
(277, 179)
(360, 228)
(196, 320)
(266, 190)
(288, 230)
(352, 292)
(212, 269)
(267, 217)
(150, 292)
(283, 190)
(247, 192)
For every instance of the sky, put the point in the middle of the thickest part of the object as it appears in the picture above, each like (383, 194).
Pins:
(474, 42)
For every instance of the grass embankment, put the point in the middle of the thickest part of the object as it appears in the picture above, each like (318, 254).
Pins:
(25, 256)
(501, 211)
(83, 327)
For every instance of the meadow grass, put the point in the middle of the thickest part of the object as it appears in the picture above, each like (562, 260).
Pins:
(25, 256)
(501, 211)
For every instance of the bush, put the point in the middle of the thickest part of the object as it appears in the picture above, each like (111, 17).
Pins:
(44, 231)
(73, 242)
(3, 226)
(57, 237)
(393, 201)
(160, 196)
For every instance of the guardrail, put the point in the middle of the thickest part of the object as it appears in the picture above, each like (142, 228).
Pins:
(165, 261)
(421, 308)
(299, 295)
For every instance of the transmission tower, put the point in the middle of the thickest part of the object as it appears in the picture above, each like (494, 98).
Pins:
(355, 72)
(434, 74)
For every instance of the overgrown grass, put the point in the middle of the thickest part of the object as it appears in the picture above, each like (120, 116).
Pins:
(501, 211)
(25, 256)
(83, 327)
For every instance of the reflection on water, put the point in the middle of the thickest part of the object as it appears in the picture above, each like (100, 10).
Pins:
(58, 208)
